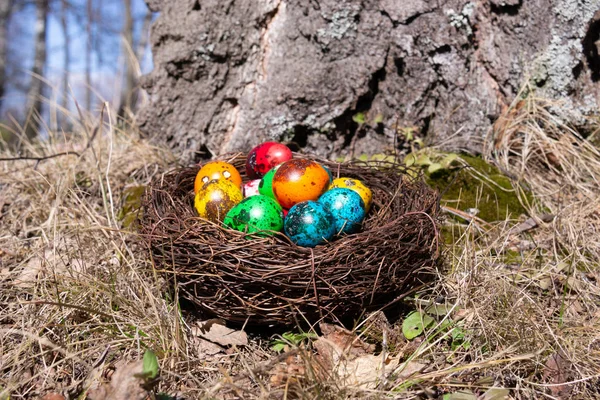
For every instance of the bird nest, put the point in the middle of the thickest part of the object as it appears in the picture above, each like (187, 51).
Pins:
(248, 279)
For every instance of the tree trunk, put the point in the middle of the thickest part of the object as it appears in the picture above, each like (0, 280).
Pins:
(5, 12)
(231, 74)
(36, 88)
(128, 55)
(66, 60)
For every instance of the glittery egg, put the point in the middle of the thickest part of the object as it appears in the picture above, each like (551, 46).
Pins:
(266, 183)
(309, 224)
(251, 188)
(217, 170)
(299, 180)
(256, 213)
(266, 156)
(215, 198)
(357, 186)
(346, 207)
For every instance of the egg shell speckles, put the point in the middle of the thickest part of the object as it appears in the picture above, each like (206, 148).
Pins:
(309, 224)
(214, 200)
(346, 207)
(256, 213)
(356, 185)
(216, 170)
(299, 180)
(266, 156)
(266, 183)
(251, 188)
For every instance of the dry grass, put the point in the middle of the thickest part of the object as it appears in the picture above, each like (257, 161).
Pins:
(79, 294)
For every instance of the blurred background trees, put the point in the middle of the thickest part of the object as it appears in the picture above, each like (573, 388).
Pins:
(54, 53)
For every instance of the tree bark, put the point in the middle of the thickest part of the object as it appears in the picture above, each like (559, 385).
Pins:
(229, 74)
(36, 88)
(66, 59)
(5, 12)
(128, 54)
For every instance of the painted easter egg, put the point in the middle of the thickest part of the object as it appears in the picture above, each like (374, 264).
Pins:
(251, 188)
(346, 207)
(309, 224)
(266, 156)
(217, 170)
(356, 185)
(215, 198)
(256, 213)
(326, 168)
(266, 183)
(299, 180)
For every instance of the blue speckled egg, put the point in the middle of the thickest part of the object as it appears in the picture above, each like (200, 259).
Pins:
(346, 207)
(309, 224)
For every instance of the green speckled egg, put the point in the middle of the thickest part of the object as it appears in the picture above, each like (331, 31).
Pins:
(265, 187)
(256, 213)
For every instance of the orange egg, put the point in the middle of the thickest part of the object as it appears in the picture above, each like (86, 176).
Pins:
(217, 170)
(299, 180)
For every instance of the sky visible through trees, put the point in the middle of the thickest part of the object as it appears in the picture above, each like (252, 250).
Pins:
(97, 48)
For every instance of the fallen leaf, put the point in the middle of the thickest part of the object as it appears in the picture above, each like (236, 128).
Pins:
(126, 384)
(556, 372)
(31, 271)
(460, 395)
(206, 347)
(214, 331)
(53, 396)
(291, 370)
(343, 354)
(408, 369)
(496, 394)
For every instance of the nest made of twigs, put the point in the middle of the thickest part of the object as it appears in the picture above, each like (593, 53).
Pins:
(269, 280)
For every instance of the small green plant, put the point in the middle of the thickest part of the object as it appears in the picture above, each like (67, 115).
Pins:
(150, 366)
(417, 322)
(291, 339)
(363, 119)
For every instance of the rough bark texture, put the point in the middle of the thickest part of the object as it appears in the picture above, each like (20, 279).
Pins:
(229, 74)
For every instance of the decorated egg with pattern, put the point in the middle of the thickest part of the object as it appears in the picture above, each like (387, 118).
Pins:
(299, 180)
(266, 156)
(256, 213)
(346, 207)
(356, 185)
(266, 183)
(217, 170)
(215, 198)
(309, 224)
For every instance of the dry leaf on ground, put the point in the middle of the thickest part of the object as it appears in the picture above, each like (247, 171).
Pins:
(556, 372)
(125, 384)
(344, 354)
(214, 331)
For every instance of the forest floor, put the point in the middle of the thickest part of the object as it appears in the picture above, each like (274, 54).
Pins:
(514, 312)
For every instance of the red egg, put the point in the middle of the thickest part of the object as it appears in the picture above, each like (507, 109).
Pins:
(266, 156)
(299, 180)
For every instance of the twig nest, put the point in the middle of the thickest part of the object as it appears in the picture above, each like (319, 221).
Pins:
(258, 279)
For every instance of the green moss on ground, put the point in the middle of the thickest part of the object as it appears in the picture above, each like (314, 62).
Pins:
(479, 185)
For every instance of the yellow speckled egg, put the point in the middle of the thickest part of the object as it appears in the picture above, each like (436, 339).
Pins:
(215, 198)
(354, 184)
(216, 170)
